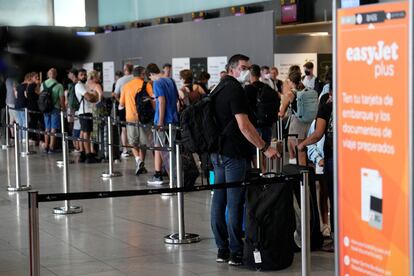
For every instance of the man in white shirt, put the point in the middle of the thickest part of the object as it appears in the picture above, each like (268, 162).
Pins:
(121, 110)
(310, 80)
(85, 118)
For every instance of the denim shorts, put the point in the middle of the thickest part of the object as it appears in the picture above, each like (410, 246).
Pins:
(52, 120)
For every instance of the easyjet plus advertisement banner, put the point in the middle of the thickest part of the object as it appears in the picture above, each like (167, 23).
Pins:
(373, 139)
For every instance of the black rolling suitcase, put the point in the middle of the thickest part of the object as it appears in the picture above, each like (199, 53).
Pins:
(270, 224)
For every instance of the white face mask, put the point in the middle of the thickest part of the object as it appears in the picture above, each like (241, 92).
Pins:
(244, 76)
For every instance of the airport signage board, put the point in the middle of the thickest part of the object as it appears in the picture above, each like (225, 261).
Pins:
(373, 139)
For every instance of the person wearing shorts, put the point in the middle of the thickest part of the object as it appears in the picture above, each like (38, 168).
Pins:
(52, 119)
(85, 118)
(137, 134)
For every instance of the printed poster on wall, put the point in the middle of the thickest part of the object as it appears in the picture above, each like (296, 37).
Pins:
(198, 65)
(88, 66)
(284, 61)
(214, 66)
(179, 64)
(108, 75)
(373, 140)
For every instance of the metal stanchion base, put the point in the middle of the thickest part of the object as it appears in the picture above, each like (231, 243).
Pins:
(20, 189)
(168, 194)
(64, 211)
(27, 153)
(107, 175)
(5, 147)
(60, 164)
(188, 238)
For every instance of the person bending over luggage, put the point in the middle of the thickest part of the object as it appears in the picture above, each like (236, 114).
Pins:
(231, 160)
(324, 126)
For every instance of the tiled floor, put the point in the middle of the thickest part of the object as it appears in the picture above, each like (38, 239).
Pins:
(120, 236)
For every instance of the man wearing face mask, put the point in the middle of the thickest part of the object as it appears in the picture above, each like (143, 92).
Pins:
(310, 80)
(265, 76)
(231, 160)
(244, 76)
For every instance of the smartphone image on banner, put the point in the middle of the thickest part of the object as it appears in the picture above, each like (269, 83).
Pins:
(375, 214)
(371, 186)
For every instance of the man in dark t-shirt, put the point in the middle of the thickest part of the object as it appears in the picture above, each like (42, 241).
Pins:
(230, 162)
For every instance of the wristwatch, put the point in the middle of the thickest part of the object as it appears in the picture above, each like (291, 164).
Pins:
(266, 146)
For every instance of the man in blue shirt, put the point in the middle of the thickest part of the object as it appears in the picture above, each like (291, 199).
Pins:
(166, 97)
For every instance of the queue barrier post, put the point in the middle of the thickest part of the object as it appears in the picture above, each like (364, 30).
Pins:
(110, 173)
(18, 186)
(60, 163)
(305, 218)
(181, 237)
(7, 138)
(26, 142)
(34, 239)
(67, 209)
(171, 159)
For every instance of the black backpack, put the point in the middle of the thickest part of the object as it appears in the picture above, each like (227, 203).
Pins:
(45, 101)
(270, 225)
(267, 106)
(104, 107)
(144, 107)
(73, 101)
(199, 129)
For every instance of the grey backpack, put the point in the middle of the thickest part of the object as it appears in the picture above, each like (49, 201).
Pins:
(307, 105)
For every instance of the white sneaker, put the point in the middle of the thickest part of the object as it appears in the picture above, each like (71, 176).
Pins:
(155, 180)
(125, 155)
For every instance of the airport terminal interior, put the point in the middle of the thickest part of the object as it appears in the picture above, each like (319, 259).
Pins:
(220, 137)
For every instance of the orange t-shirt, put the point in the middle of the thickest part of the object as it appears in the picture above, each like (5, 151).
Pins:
(128, 92)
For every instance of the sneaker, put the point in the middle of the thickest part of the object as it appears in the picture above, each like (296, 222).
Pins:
(155, 180)
(51, 151)
(125, 155)
(82, 157)
(139, 166)
(329, 246)
(223, 256)
(236, 259)
(90, 159)
(45, 151)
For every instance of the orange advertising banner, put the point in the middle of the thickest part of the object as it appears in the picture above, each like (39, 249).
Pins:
(372, 103)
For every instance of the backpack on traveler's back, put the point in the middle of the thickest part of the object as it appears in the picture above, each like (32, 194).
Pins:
(73, 101)
(267, 106)
(307, 105)
(270, 224)
(144, 107)
(199, 129)
(104, 107)
(45, 101)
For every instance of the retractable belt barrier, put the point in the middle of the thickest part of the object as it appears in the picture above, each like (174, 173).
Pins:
(181, 237)
(128, 193)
